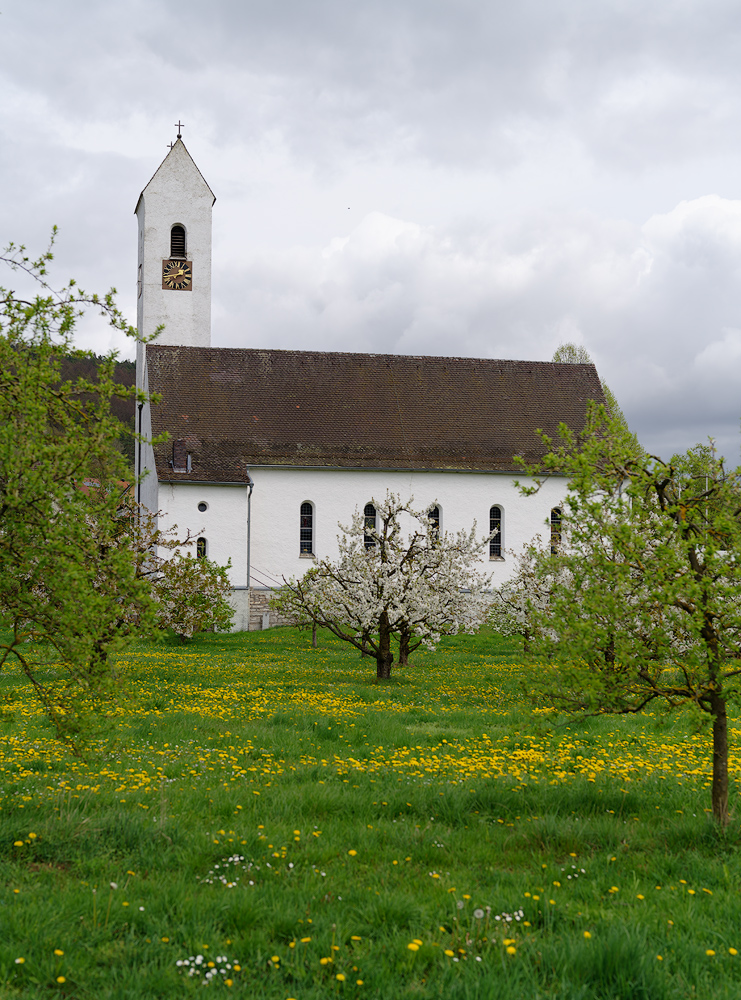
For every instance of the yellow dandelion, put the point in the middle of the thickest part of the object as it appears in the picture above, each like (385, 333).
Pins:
(340, 977)
(659, 958)
(732, 951)
(358, 982)
(19, 961)
(58, 951)
(355, 937)
(639, 896)
(413, 946)
(61, 979)
(449, 953)
(352, 853)
(511, 950)
(587, 935)
(710, 952)
(275, 958)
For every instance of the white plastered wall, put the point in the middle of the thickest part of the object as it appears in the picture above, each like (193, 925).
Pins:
(223, 524)
(279, 492)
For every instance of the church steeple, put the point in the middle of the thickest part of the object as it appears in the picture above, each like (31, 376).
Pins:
(174, 276)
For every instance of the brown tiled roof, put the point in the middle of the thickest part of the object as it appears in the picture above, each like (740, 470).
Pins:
(237, 408)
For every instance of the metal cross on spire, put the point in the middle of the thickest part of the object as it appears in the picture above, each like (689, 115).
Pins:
(178, 127)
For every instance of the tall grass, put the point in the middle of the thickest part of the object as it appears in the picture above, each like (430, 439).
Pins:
(271, 809)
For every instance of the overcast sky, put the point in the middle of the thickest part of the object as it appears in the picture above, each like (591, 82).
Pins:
(455, 177)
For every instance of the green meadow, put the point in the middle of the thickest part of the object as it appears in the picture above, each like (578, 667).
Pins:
(257, 818)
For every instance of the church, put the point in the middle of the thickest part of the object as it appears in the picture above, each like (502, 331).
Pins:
(267, 451)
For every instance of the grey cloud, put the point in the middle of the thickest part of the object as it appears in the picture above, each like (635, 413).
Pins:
(452, 82)
(657, 306)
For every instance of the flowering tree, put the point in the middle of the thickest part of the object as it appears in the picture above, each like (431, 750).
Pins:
(192, 595)
(645, 607)
(519, 604)
(417, 585)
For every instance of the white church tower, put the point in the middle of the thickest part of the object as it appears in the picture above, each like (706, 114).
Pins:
(173, 280)
(174, 276)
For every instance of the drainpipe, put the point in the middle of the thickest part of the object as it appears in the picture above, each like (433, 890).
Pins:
(139, 460)
(249, 529)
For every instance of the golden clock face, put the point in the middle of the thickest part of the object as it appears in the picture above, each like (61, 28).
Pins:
(177, 275)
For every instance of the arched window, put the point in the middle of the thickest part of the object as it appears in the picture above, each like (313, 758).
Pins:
(495, 524)
(201, 547)
(306, 529)
(555, 530)
(369, 514)
(434, 515)
(177, 242)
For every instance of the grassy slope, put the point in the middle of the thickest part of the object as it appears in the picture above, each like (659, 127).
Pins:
(365, 818)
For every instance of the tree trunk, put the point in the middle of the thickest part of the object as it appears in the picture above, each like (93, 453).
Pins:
(364, 646)
(384, 656)
(720, 758)
(526, 642)
(610, 651)
(313, 635)
(404, 638)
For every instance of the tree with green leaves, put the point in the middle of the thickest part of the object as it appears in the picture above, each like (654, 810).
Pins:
(577, 354)
(646, 606)
(65, 572)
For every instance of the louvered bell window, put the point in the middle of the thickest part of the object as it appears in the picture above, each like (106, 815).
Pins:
(177, 242)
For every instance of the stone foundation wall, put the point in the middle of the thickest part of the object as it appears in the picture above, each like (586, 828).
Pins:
(261, 615)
